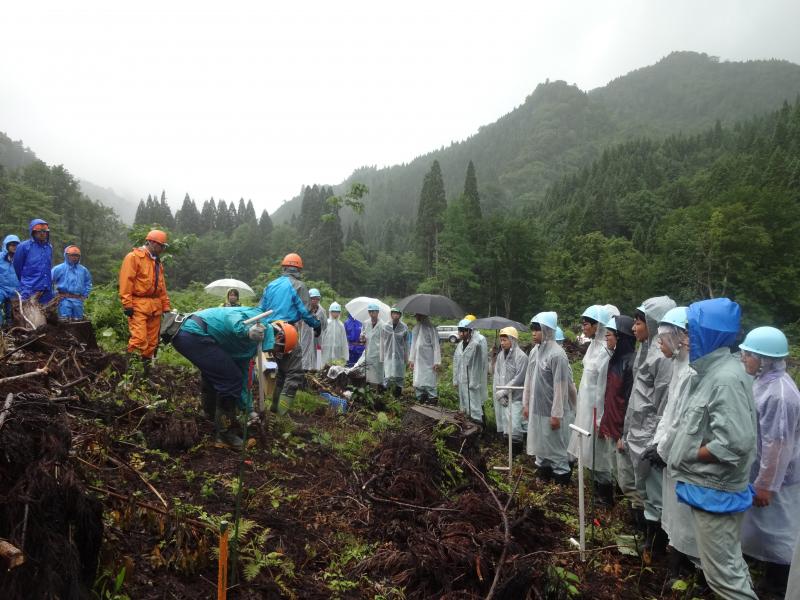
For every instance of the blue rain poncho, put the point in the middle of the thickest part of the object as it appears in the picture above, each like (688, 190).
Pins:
(32, 263)
(394, 349)
(308, 342)
(372, 351)
(334, 342)
(509, 369)
(470, 375)
(425, 353)
(71, 279)
(8, 277)
(548, 382)
(591, 393)
(770, 533)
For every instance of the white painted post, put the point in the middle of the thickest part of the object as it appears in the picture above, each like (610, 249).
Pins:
(582, 433)
(510, 448)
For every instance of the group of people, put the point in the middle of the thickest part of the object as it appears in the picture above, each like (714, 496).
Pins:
(27, 273)
(701, 435)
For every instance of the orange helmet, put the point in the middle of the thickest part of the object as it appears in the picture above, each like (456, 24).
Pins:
(285, 337)
(156, 235)
(292, 260)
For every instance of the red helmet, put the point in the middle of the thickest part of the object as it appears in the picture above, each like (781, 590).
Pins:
(285, 337)
(158, 236)
(292, 260)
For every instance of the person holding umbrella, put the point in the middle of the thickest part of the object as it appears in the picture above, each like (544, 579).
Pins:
(425, 359)
(470, 370)
(232, 298)
(394, 345)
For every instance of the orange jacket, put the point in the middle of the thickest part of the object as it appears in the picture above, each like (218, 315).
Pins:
(141, 283)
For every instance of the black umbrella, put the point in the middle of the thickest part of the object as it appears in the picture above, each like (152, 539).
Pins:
(497, 323)
(430, 304)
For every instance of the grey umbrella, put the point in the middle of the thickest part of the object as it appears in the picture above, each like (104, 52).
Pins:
(430, 304)
(497, 323)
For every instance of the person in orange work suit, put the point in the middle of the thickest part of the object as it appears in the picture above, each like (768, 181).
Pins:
(143, 292)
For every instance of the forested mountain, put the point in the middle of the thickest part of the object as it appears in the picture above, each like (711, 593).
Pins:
(125, 209)
(560, 129)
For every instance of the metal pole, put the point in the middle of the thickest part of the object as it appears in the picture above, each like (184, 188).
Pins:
(258, 317)
(581, 513)
(510, 422)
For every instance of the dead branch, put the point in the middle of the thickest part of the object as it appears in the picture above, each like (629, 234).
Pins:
(6, 409)
(35, 373)
(21, 346)
(74, 383)
(408, 505)
(122, 463)
(11, 556)
(153, 507)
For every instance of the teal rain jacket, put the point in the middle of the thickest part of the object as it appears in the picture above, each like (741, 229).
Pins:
(8, 277)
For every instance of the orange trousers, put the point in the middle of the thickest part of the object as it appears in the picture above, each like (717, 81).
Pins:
(144, 331)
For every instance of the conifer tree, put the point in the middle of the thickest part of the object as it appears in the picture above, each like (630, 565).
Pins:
(265, 224)
(208, 216)
(187, 219)
(141, 214)
(430, 217)
(250, 213)
(473, 199)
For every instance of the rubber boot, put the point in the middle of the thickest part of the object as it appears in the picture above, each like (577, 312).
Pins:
(281, 404)
(773, 584)
(397, 391)
(562, 479)
(604, 494)
(660, 541)
(208, 397)
(224, 436)
(637, 519)
(275, 399)
(544, 473)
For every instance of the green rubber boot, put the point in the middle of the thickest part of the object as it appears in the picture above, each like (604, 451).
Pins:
(224, 436)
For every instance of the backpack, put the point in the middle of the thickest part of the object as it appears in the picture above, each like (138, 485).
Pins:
(170, 325)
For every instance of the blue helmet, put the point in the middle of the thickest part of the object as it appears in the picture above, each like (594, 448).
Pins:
(548, 319)
(559, 334)
(373, 306)
(465, 324)
(676, 316)
(335, 307)
(314, 293)
(766, 341)
(596, 313)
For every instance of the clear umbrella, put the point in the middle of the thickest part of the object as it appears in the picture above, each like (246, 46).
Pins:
(357, 307)
(220, 287)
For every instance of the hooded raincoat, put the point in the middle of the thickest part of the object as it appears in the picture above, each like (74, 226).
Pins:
(770, 533)
(308, 341)
(546, 393)
(32, 264)
(509, 369)
(8, 276)
(71, 281)
(143, 288)
(334, 342)
(373, 352)
(469, 375)
(591, 393)
(425, 353)
(394, 351)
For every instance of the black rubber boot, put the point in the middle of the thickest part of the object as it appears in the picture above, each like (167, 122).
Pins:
(637, 519)
(562, 478)
(660, 541)
(544, 473)
(604, 494)
(773, 584)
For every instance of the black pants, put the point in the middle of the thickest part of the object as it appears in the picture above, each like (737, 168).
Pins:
(216, 366)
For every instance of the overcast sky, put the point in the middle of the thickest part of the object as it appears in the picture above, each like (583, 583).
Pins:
(254, 99)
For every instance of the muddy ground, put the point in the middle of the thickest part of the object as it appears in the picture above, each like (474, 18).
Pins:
(113, 489)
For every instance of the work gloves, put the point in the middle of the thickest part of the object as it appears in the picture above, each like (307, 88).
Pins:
(652, 455)
(256, 332)
(128, 312)
(502, 397)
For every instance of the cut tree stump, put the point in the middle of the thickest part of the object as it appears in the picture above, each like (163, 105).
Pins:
(10, 555)
(465, 436)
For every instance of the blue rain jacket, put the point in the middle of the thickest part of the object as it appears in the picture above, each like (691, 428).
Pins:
(287, 297)
(32, 263)
(72, 279)
(712, 324)
(8, 276)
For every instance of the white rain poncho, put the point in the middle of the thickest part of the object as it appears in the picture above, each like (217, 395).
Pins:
(308, 343)
(509, 369)
(676, 517)
(373, 351)
(770, 533)
(546, 393)
(469, 375)
(425, 354)
(652, 373)
(334, 342)
(592, 390)
(394, 349)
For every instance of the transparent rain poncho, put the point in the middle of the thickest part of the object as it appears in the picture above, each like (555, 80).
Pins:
(546, 393)
(469, 375)
(373, 351)
(769, 533)
(425, 353)
(308, 343)
(591, 393)
(394, 349)
(334, 342)
(509, 369)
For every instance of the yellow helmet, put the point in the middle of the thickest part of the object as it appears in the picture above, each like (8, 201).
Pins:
(510, 332)
(470, 317)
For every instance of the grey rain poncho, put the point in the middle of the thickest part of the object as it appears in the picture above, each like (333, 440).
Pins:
(509, 369)
(308, 343)
(334, 342)
(394, 349)
(546, 393)
(425, 353)
(769, 533)
(469, 375)
(373, 350)
(591, 393)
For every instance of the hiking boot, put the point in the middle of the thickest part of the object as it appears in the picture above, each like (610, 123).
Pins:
(224, 435)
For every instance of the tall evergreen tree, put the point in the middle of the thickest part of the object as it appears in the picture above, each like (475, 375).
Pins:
(265, 223)
(430, 217)
(473, 199)
(187, 219)
(208, 216)
(250, 213)
(141, 214)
